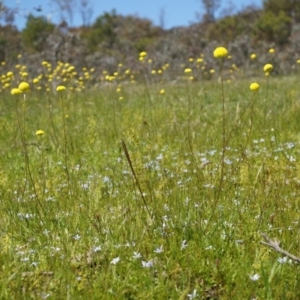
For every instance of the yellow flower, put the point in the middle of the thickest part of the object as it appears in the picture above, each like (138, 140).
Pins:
(220, 52)
(40, 132)
(254, 86)
(143, 54)
(272, 50)
(191, 60)
(253, 56)
(16, 91)
(162, 92)
(298, 61)
(212, 71)
(24, 87)
(60, 88)
(188, 70)
(10, 74)
(268, 68)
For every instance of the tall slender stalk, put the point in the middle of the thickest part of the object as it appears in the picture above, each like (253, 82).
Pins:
(65, 139)
(28, 174)
(220, 52)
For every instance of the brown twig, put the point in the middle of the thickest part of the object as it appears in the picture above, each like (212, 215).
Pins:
(135, 177)
(275, 245)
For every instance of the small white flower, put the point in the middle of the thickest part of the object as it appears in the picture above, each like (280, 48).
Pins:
(254, 277)
(77, 237)
(136, 255)
(106, 179)
(97, 248)
(282, 260)
(193, 295)
(24, 259)
(147, 264)
(183, 245)
(115, 261)
(159, 250)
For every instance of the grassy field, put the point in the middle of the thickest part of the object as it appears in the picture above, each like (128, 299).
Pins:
(144, 197)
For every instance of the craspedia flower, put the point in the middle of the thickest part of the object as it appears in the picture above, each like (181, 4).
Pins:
(268, 68)
(60, 88)
(254, 86)
(24, 87)
(220, 52)
(188, 70)
(162, 91)
(143, 54)
(272, 50)
(39, 132)
(16, 91)
(253, 56)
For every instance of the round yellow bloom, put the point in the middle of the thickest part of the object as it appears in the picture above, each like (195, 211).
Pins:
(60, 88)
(220, 52)
(40, 132)
(272, 50)
(24, 87)
(253, 56)
(10, 74)
(254, 86)
(188, 70)
(143, 54)
(268, 68)
(162, 92)
(16, 91)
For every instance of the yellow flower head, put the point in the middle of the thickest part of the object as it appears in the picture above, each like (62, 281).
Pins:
(162, 92)
(60, 88)
(272, 50)
(188, 70)
(268, 68)
(40, 132)
(143, 54)
(254, 86)
(24, 87)
(253, 56)
(220, 52)
(16, 91)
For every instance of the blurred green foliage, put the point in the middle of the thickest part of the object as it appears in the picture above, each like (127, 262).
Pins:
(36, 31)
(273, 27)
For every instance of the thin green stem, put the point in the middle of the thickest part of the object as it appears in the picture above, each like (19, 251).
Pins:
(65, 139)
